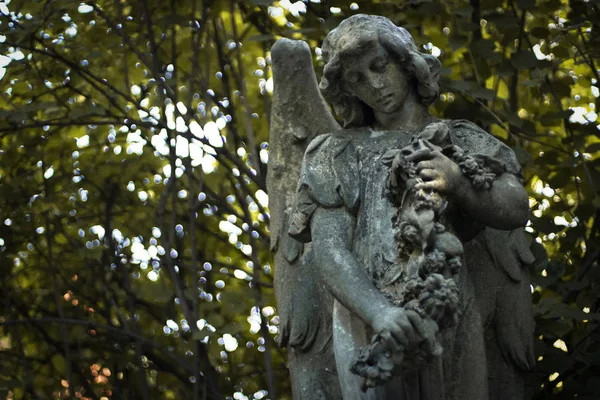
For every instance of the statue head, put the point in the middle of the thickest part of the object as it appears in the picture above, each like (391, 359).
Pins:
(360, 35)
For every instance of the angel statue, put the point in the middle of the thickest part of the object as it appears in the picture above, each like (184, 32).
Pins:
(399, 247)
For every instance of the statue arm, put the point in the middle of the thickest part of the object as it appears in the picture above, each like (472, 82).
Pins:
(504, 206)
(348, 282)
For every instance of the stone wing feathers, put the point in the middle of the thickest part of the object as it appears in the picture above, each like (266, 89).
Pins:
(514, 314)
(298, 114)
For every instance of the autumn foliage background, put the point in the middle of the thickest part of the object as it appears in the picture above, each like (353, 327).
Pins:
(134, 257)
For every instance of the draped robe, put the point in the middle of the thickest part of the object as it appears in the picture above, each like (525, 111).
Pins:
(344, 170)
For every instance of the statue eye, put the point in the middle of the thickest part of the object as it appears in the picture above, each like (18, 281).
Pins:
(380, 65)
(353, 77)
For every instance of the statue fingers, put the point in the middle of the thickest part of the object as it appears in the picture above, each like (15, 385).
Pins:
(417, 323)
(429, 174)
(390, 156)
(426, 164)
(398, 335)
(435, 184)
(421, 155)
(410, 332)
(390, 341)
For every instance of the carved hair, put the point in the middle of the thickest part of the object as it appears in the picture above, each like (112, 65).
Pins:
(348, 41)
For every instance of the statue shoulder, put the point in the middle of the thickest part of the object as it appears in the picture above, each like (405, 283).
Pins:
(329, 178)
(469, 133)
(484, 146)
(333, 142)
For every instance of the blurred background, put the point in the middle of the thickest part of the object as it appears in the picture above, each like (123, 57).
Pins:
(134, 241)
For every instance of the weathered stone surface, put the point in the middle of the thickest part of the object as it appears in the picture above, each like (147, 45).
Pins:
(403, 275)
(298, 114)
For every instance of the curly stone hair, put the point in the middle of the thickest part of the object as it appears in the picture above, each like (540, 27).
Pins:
(349, 40)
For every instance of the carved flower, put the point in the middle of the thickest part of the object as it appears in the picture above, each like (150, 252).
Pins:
(414, 287)
(433, 263)
(454, 263)
(375, 363)
(410, 233)
(439, 300)
(468, 165)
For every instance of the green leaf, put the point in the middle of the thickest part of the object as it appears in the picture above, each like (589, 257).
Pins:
(540, 32)
(561, 177)
(177, 19)
(555, 118)
(526, 4)
(593, 148)
(504, 21)
(561, 89)
(563, 310)
(484, 48)
(59, 362)
(544, 225)
(471, 88)
(432, 8)
(463, 11)
(18, 116)
(514, 119)
(524, 60)
(541, 257)
(555, 329)
(561, 52)
(585, 81)
(483, 93)
(458, 41)
(261, 38)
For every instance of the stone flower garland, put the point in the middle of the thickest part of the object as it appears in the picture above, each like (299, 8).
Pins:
(431, 253)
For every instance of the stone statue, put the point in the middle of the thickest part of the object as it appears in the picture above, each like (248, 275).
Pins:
(399, 246)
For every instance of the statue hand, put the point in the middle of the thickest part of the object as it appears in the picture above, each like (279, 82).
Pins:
(439, 173)
(400, 328)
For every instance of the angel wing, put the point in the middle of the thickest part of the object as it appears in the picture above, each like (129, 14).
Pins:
(500, 260)
(298, 114)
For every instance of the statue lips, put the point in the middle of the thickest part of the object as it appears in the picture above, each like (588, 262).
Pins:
(386, 99)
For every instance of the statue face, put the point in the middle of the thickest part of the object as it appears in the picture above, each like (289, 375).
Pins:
(377, 79)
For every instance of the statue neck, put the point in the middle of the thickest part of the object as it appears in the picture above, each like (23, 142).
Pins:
(413, 116)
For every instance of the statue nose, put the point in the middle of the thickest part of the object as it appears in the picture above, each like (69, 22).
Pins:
(377, 81)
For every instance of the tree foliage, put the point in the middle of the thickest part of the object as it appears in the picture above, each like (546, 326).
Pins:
(133, 155)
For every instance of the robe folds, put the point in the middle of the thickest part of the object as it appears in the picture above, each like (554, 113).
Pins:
(344, 169)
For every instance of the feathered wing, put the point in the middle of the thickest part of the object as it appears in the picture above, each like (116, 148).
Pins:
(298, 114)
(498, 262)
(514, 313)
